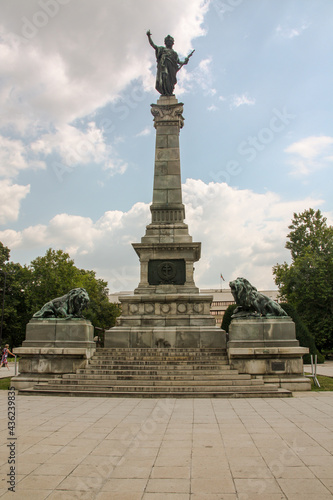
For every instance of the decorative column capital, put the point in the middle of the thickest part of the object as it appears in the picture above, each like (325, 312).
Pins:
(168, 114)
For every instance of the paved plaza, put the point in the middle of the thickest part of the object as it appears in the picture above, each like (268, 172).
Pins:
(170, 449)
(4, 372)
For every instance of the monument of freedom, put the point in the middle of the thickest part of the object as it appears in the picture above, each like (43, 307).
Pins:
(165, 342)
(166, 309)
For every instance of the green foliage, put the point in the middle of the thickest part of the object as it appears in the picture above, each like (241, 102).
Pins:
(4, 254)
(307, 283)
(16, 314)
(326, 384)
(28, 288)
(53, 276)
(302, 334)
(309, 233)
(227, 317)
(101, 312)
(5, 383)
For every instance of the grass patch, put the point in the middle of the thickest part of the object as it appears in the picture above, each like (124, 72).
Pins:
(326, 383)
(5, 383)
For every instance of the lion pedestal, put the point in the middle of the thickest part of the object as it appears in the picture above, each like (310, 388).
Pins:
(58, 340)
(267, 348)
(262, 339)
(53, 347)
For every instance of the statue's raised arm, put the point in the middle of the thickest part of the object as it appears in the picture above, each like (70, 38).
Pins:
(168, 64)
(151, 40)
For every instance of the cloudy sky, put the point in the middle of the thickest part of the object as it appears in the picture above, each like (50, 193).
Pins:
(77, 136)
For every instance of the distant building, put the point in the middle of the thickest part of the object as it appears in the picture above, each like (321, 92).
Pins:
(221, 300)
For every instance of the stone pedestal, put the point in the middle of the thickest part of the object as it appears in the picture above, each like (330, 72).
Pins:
(53, 347)
(268, 348)
(62, 333)
(166, 320)
(166, 309)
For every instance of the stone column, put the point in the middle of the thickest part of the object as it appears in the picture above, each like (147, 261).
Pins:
(167, 252)
(167, 206)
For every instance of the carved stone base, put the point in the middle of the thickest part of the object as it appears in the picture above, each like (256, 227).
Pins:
(268, 348)
(166, 337)
(61, 333)
(53, 347)
(165, 320)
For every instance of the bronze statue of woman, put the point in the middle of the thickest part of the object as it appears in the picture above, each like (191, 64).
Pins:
(168, 64)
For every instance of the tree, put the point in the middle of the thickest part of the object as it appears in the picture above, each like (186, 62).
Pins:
(302, 334)
(4, 254)
(307, 283)
(55, 274)
(15, 314)
(52, 276)
(309, 233)
(28, 288)
(101, 312)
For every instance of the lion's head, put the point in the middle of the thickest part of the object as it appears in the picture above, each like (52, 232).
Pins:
(78, 299)
(242, 291)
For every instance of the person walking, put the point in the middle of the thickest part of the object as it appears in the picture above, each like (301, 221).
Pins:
(4, 360)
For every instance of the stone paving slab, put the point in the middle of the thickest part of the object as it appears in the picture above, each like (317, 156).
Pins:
(5, 372)
(170, 449)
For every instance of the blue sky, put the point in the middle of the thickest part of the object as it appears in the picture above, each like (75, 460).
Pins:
(77, 136)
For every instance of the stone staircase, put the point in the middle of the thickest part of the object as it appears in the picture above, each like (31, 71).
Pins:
(158, 372)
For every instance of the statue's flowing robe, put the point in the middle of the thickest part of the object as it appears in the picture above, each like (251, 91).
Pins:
(167, 67)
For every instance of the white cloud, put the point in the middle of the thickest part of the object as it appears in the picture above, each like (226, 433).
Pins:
(12, 157)
(78, 147)
(115, 166)
(73, 56)
(287, 32)
(201, 76)
(11, 197)
(240, 100)
(242, 233)
(144, 132)
(310, 154)
(13, 238)
(73, 145)
(60, 61)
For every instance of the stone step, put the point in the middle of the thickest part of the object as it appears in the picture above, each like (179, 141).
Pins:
(204, 350)
(140, 361)
(124, 372)
(162, 388)
(154, 382)
(157, 370)
(140, 377)
(162, 353)
(147, 357)
(157, 366)
(260, 393)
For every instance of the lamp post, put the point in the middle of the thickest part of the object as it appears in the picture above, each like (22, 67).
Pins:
(3, 301)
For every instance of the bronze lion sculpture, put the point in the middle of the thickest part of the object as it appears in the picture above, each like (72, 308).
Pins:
(68, 306)
(250, 302)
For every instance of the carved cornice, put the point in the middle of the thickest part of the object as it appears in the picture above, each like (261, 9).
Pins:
(146, 250)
